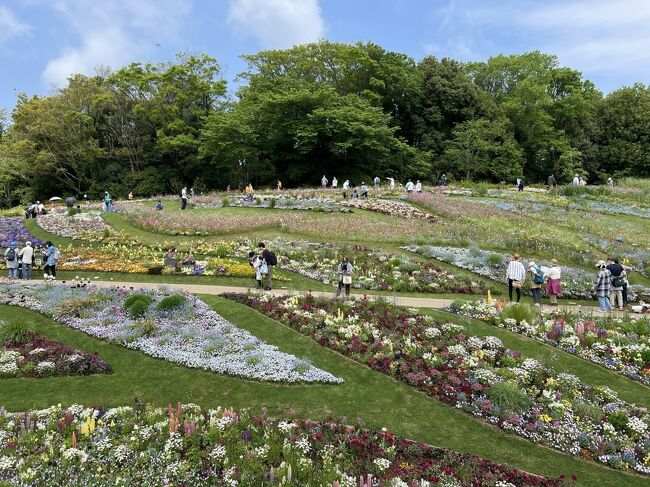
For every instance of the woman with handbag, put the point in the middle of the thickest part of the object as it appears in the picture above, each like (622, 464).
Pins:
(345, 277)
(515, 273)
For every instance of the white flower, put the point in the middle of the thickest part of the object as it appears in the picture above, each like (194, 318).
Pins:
(637, 425)
(381, 463)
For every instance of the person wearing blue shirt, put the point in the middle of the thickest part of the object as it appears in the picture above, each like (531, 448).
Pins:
(52, 258)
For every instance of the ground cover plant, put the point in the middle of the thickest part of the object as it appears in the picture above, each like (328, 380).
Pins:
(186, 445)
(172, 326)
(475, 374)
(620, 344)
(26, 353)
(79, 225)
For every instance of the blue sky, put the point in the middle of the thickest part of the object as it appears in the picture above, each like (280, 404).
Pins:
(43, 41)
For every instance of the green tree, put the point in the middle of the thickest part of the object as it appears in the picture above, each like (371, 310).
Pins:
(624, 132)
(483, 149)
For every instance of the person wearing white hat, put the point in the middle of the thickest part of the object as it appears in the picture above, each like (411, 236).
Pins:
(536, 281)
(602, 286)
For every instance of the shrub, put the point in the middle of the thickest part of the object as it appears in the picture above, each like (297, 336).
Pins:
(75, 306)
(482, 189)
(519, 312)
(72, 211)
(586, 410)
(408, 267)
(258, 201)
(223, 251)
(272, 203)
(134, 298)
(225, 202)
(171, 303)
(106, 233)
(456, 304)
(155, 270)
(137, 305)
(15, 333)
(146, 327)
(509, 398)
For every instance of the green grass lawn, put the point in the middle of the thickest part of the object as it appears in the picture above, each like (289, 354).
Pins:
(375, 398)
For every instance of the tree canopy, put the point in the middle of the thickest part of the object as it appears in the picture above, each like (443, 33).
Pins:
(348, 110)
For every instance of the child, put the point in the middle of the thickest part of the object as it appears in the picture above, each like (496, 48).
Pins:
(256, 263)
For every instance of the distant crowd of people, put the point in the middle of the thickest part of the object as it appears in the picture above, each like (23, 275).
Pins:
(20, 262)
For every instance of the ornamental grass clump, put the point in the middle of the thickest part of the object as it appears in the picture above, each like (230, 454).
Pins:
(519, 312)
(137, 305)
(509, 398)
(15, 332)
(171, 303)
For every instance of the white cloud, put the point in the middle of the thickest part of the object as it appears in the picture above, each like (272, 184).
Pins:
(113, 33)
(278, 23)
(10, 26)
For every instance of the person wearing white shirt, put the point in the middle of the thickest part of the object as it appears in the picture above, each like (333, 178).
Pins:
(376, 182)
(27, 257)
(409, 186)
(324, 181)
(335, 182)
(391, 183)
(184, 198)
(418, 187)
(576, 180)
(516, 272)
(346, 184)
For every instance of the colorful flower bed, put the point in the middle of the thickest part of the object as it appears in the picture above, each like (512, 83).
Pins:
(13, 230)
(185, 445)
(373, 269)
(176, 327)
(390, 207)
(81, 225)
(35, 356)
(620, 344)
(576, 283)
(476, 374)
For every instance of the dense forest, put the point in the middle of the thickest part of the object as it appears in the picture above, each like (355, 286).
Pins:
(350, 111)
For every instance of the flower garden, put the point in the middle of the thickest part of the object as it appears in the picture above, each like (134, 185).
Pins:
(297, 389)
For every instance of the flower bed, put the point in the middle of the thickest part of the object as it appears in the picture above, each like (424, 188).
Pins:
(389, 207)
(37, 356)
(13, 230)
(185, 445)
(475, 374)
(620, 344)
(576, 283)
(80, 225)
(373, 270)
(176, 327)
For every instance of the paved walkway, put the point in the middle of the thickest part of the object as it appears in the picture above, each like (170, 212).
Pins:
(414, 302)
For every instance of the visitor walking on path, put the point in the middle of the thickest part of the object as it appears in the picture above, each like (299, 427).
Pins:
(520, 184)
(345, 278)
(11, 260)
(271, 261)
(516, 273)
(346, 187)
(443, 180)
(335, 182)
(391, 183)
(184, 198)
(409, 186)
(602, 286)
(576, 180)
(52, 258)
(108, 202)
(553, 286)
(418, 186)
(376, 182)
(536, 281)
(256, 263)
(27, 258)
(617, 284)
(324, 181)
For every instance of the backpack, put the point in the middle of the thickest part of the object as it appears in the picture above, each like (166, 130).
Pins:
(11, 255)
(270, 258)
(539, 276)
(264, 268)
(618, 281)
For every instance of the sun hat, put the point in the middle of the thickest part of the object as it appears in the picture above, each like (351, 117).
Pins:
(601, 263)
(28, 243)
(12, 244)
(554, 261)
(531, 264)
(516, 256)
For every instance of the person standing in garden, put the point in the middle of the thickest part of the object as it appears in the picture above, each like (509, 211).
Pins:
(184, 198)
(52, 259)
(409, 186)
(443, 180)
(271, 261)
(376, 182)
(602, 286)
(520, 184)
(536, 281)
(364, 190)
(391, 183)
(618, 276)
(256, 264)
(108, 204)
(553, 286)
(27, 258)
(346, 187)
(324, 181)
(516, 274)
(11, 260)
(344, 272)
(335, 183)
(418, 186)
(551, 181)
